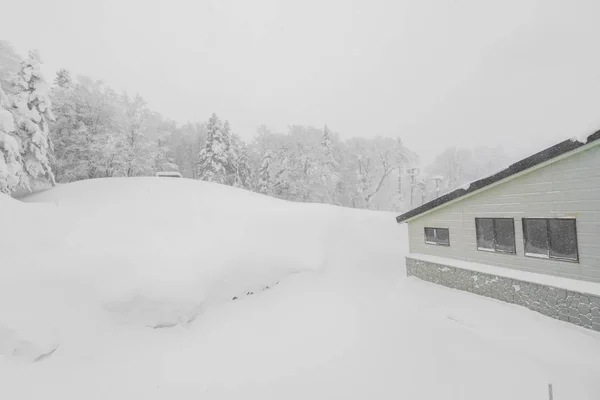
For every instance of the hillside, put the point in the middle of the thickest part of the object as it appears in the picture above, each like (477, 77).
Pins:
(124, 288)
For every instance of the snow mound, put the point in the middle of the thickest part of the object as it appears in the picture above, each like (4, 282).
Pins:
(583, 136)
(153, 252)
(24, 331)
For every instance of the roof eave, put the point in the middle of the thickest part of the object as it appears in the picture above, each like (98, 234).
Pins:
(550, 155)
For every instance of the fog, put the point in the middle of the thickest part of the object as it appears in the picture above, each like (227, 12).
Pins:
(223, 199)
(521, 74)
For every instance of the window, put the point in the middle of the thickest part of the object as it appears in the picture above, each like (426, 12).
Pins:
(496, 234)
(439, 236)
(551, 238)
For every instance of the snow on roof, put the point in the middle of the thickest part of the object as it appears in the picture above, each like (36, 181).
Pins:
(582, 137)
(520, 166)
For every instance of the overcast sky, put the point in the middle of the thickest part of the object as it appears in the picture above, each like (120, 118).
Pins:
(517, 73)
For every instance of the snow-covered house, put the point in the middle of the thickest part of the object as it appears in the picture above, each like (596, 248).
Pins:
(529, 235)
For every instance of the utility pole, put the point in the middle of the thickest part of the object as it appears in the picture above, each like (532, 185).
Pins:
(413, 172)
(437, 179)
(400, 182)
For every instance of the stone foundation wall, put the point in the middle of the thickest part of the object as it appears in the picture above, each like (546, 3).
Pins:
(577, 308)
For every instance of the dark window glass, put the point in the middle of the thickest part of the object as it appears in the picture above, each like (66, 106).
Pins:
(551, 238)
(535, 232)
(430, 235)
(504, 230)
(563, 239)
(443, 236)
(437, 236)
(496, 234)
(485, 233)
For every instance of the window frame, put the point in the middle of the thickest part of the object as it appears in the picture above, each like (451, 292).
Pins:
(434, 230)
(495, 249)
(549, 257)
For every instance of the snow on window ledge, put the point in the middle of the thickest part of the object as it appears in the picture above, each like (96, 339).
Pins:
(575, 285)
(486, 249)
(437, 243)
(547, 257)
(537, 255)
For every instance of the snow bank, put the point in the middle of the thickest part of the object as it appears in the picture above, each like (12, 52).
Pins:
(356, 329)
(25, 330)
(148, 251)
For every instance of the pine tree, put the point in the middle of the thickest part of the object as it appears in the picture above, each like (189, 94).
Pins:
(31, 109)
(67, 133)
(326, 142)
(265, 182)
(242, 174)
(329, 167)
(214, 160)
(11, 168)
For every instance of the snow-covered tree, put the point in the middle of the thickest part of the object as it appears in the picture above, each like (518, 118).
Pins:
(312, 165)
(458, 166)
(265, 182)
(300, 156)
(452, 164)
(214, 160)
(163, 157)
(376, 161)
(98, 133)
(10, 64)
(63, 78)
(31, 107)
(330, 174)
(66, 133)
(326, 143)
(242, 174)
(138, 147)
(11, 168)
(184, 144)
(86, 131)
(291, 165)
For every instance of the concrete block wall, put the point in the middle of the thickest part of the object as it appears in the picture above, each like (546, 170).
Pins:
(577, 308)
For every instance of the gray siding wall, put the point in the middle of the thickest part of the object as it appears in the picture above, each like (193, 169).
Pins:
(567, 188)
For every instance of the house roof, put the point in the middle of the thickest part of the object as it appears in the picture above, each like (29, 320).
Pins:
(520, 166)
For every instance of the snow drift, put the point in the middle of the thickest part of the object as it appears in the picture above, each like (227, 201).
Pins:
(93, 264)
(146, 251)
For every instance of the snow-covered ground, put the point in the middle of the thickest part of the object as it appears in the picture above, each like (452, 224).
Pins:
(124, 287)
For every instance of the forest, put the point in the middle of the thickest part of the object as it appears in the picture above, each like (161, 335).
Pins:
(72, 127)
